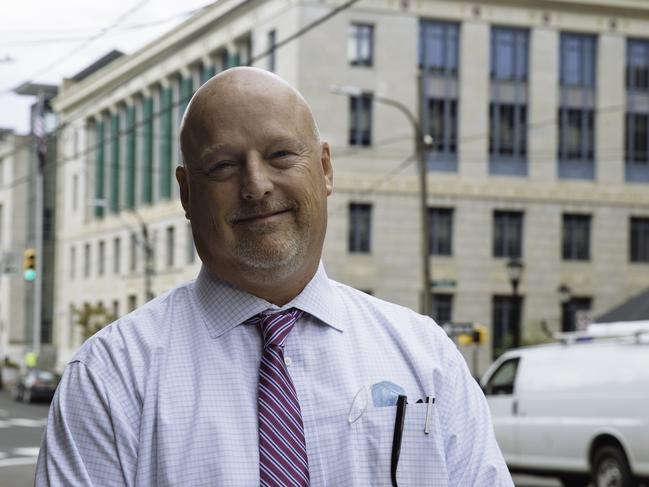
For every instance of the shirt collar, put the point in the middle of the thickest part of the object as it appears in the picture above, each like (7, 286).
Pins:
(223, 306)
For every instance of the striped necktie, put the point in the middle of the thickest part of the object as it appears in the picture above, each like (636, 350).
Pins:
(282, 449)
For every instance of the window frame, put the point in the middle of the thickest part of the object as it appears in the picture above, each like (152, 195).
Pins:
(361, 39)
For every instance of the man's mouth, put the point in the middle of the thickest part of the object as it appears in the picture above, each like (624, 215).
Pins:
(266, 216)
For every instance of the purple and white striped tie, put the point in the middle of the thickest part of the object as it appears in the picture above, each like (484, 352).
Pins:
(282, 449)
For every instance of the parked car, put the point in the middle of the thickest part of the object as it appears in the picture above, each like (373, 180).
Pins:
(35, 384)
(577, 409)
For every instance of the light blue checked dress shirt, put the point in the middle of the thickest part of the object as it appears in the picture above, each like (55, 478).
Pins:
(167, 395)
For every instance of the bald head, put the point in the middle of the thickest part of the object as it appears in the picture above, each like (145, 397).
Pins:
(242, 93)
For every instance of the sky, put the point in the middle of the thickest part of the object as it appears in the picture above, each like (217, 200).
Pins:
(45, 41)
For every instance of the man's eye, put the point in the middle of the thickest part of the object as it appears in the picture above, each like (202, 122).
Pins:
(279, 154)
(221, 167)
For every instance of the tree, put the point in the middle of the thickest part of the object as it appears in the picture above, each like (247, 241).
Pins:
(92, 318)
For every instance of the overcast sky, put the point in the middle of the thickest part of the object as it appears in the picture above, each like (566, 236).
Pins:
(46, 41)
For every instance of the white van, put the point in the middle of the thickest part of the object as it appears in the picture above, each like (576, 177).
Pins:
(577, 409)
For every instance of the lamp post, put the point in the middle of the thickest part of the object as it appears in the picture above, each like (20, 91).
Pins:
(421, 141)
(515, 272)
(565, 296)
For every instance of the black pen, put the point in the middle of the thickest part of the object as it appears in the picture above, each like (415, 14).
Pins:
(399, 420)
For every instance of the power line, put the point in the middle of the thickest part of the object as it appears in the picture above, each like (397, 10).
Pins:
(83, 33)
(88, 41)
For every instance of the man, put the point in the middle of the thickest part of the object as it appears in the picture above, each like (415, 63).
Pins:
(264, 371)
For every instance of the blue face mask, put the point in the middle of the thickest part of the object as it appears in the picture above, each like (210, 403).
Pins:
(386, 394)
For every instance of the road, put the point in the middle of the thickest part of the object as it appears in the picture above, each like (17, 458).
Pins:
(21, 428)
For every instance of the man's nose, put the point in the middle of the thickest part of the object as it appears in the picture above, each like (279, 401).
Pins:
(256, 182)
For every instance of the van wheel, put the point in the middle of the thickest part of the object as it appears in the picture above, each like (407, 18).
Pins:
(611, 469)
(575, 480)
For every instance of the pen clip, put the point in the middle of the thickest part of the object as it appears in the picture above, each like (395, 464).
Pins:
(399, 421)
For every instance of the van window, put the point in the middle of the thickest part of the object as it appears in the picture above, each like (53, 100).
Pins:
(502, 380)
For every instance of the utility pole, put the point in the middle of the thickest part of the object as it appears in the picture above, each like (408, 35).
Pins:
(41, 150)
(422, 141)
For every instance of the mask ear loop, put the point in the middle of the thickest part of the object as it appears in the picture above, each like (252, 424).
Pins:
(357, 404)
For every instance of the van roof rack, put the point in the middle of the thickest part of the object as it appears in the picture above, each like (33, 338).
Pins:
(606, 331)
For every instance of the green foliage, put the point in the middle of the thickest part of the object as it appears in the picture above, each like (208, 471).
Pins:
(92, 318)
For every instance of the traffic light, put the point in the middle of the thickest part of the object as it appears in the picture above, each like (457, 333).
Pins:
(29, 264)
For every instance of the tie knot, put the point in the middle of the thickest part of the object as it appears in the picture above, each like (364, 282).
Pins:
(275, 327)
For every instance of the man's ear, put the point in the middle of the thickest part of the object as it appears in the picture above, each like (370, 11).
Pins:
(183, 184)
(327, 168)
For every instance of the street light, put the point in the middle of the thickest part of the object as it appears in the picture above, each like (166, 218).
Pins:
(515, 272)
(565, 296)
(421, 142)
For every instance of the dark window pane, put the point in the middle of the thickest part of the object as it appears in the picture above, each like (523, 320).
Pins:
(576, 134)
(576, 237)
(360, 126)
(508, 234)
(442, 121)
(441, 231)
(637, 139)
(442, 308)
(360, 219)
(639, 239)
(503, 321)
(638, 65)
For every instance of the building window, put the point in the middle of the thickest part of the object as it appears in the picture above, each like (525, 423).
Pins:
(508, 108)
(117, 255)
(509, 53)
(115, 309)
(637, 116)
(637, 140)
(170, 246)
(578, 60)
(503, 322)
(360, 46)
(575, 313)
(438, 47)
(86, 260)
(132, 302)
(577, 106)
(442, 117)
(272, 40)
(73, 262)
(441, 231)
(360, 219)
(576, 237)
(577, 135)
(360, 120)
(442, 308)
(191, 248)
(438, 61)
(133, 253)
(75, 192)
(101, 258)
(639, 239)
(508, 234)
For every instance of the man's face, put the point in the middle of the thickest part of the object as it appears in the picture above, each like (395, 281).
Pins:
(257, 187)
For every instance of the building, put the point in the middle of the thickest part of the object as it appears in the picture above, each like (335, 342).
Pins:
(538, 113)
(19, 164)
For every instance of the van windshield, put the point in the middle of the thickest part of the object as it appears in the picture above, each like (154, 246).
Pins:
(502, 380)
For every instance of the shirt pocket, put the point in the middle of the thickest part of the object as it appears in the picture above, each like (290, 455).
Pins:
(421, 461)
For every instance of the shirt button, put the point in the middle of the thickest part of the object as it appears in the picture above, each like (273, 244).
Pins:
(288, 361)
